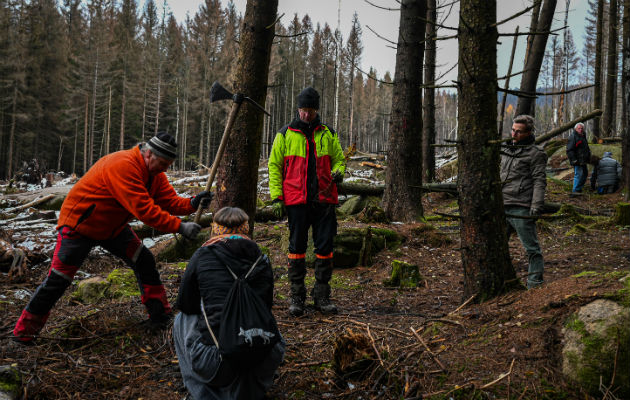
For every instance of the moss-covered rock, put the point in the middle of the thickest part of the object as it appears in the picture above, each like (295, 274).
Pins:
(404, 275)
(182, 248)
(123, 283)
(569, 212)
(92, 290)
(596, 339)
(577, 230)
(353, 205)
(10, 382)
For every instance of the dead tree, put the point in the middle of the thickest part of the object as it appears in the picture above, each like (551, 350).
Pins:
(534, 58)
(237, 176)
(486, 260)
(597, 90)
(608, 119)
(625, 94)
(404, 174)
(428, 102)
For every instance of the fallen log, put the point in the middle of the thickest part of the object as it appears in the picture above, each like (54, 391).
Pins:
(378, 189)
(30, 204)
(569, 125)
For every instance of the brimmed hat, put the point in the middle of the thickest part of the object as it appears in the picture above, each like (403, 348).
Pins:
(163, 145)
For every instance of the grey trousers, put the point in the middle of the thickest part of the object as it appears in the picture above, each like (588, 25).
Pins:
(526, 231)
(206, 376)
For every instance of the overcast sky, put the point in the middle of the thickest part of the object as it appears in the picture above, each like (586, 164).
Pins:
(379, 54)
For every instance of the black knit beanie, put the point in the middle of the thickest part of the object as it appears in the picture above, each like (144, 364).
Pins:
(163, 145)
(308, 98)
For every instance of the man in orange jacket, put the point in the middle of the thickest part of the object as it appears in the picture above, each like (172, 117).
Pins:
(119, 187)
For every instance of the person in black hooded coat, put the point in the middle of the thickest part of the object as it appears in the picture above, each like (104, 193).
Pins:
(205, 374)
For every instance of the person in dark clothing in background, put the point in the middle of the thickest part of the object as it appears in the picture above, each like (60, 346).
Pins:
(206, 279)
(606, 175)
(305, 165)
(579, 156)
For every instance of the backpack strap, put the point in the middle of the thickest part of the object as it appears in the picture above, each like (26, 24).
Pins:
(205, 317)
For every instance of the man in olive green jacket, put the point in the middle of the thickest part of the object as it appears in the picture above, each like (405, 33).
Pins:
(523, 184)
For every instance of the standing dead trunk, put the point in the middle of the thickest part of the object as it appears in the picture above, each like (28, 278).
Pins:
(527, 105)
(93, 117)
(109, 118)
(485, 252)
(404, 173)
(74, 153)
(123, 101)
(625, 94)
(85, 135)
(240, 163)
(12, 132)
(597, 89)
(608, 120)
(428, 105)
(157, 100)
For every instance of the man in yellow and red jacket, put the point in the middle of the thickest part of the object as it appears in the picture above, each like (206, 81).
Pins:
(117, 188)
(305, 164)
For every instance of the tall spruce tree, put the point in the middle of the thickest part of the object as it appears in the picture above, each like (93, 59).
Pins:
(485, 253)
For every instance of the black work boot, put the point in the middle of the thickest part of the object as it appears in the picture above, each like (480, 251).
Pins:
(297, 272)
(321, 290)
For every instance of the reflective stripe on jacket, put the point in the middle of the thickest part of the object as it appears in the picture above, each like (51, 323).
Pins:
(116, 189)
(288, 165)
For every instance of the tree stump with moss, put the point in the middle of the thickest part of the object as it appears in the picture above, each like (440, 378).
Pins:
(622, 214)
(404, 275)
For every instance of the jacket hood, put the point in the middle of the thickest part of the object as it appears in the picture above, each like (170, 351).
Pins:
(608, 154)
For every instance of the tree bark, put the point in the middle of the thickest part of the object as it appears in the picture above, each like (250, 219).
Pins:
(12, 132)
(625, 94)
(597, 90)
(123, 102)
(243, 148)
(428, 105)
(527, 105)
(485, 254)
(608, 120)
(404, 174)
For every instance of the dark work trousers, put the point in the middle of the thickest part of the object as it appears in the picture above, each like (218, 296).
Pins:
(71, 250)
(321, 217)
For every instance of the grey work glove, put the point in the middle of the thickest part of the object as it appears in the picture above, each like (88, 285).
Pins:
(189, 229)
(278, 208)
(204, 198)
(337, 177)
(535, 212)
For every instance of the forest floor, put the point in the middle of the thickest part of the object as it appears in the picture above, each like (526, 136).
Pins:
(427, 345)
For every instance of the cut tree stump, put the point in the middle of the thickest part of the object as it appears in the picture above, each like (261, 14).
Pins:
(622, 214)
(404, 275)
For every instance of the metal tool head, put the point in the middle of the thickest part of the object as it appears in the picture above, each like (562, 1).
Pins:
(218, 93)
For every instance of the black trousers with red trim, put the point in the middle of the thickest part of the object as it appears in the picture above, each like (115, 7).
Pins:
(321, 217)
(71, 250)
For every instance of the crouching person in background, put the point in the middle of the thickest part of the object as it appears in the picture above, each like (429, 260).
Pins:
(226, 338)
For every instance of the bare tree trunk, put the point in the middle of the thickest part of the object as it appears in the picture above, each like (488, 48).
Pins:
(12, 132)
(625, 90)
(404, 173)
(527, 105)
(85, 135)
(74, 154)
(533, 25)
(251, 75)
(507, 82)
(597, 89)
(157, 101)
(144, 107)
(109, 118)
(428, 106)
(59, 153)
(121, 145)
(485, 252)
(608, 121)
(93, 117)
(337, 65)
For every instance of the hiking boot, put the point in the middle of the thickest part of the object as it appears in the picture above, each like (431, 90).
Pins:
(297, 272)
(296, 308)
(321, 299)
(159, 318)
